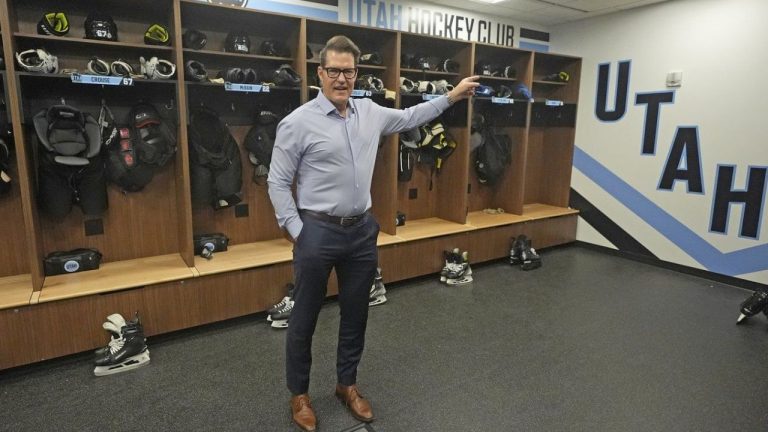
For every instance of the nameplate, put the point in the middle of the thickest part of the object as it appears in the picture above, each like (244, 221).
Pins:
(101, 80)
(501, 100)
(248, 88)
(553, 102)
(361, 93)
(427, 97)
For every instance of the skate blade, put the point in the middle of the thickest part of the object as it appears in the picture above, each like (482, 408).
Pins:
(131, 363)
(279, 324)
(269, 318)
(378, 300)
(531, 265)
(461, 281)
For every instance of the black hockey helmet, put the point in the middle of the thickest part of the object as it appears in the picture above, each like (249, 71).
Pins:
(237, 42)
(100, 26)
(276, 48)
(194, 39)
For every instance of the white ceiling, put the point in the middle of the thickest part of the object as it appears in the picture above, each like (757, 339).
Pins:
(546, 12)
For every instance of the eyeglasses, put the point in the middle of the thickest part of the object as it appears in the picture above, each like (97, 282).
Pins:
(334, 72)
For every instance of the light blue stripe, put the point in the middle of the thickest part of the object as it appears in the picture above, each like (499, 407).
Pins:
(534, 46)
(306, 11)
(734, 263)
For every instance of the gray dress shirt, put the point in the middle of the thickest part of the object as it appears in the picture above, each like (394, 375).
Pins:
(332, 157)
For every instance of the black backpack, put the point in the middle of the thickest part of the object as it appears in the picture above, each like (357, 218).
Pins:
(492, 156)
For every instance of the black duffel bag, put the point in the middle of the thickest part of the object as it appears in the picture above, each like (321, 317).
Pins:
(207, 244)
(76, 260)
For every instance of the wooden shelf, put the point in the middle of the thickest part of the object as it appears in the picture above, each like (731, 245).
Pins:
(387, 239)
(481, 219)
(535, 211)
(68, 78)
(490, 98)
(552, 83)
(15, 291)
(429, 227)
(224, 54)
(244, 256)
(115, 276)
(495, 78)
(221, 86)
(429, 72)
(65, 40)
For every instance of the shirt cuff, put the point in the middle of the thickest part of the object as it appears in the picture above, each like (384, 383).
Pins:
(442, 103)
(294, 228)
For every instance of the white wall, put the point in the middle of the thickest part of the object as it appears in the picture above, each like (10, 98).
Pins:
(722, 49)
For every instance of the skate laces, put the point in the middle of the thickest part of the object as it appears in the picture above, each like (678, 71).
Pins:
(282, 302)
(113, 342)
(117, 346)
(286, 307)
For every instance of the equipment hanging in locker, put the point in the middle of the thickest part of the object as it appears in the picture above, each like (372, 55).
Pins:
(215, 167)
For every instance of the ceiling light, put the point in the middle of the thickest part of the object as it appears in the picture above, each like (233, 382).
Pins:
(488, 1)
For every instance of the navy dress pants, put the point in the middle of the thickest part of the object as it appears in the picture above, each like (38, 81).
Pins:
(321, 247)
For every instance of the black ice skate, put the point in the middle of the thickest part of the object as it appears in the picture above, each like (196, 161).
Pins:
(377, 294)
(280, 317)
(529, 258)
(113, 324)
(516, 249)
(753, 305)
(125, 353)
(451, 257)
(288, 297)
(459, 273)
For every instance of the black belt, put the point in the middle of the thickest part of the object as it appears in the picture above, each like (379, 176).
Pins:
(344, 221)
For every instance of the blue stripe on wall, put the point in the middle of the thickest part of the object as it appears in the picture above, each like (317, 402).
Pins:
(734, 263)
(306, 11)
(534, 46)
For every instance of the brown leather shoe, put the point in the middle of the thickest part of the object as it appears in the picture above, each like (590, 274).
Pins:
(303, 415)
(358, 406)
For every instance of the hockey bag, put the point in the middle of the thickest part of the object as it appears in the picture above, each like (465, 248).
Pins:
(206, 244)
(76, 260)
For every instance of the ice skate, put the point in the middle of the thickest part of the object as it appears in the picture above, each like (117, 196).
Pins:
(529, 258)
(516, 249)
(288, 297)
(280, 317)
(451, 257)
(127, 352)
(113, 324)
(377, 294)
(460, 273)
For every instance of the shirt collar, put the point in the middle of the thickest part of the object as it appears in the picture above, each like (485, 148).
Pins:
(328, 107)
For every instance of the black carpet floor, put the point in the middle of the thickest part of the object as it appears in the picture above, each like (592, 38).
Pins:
(588, 342)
